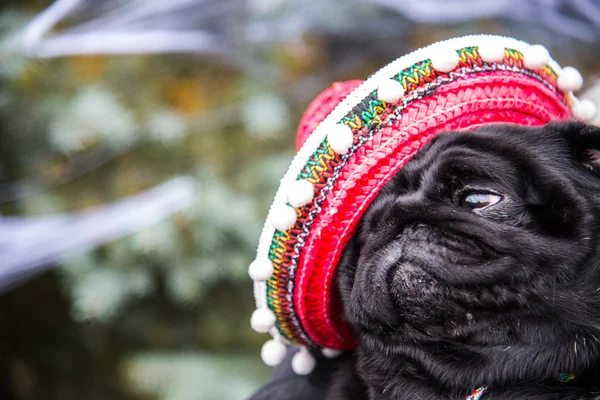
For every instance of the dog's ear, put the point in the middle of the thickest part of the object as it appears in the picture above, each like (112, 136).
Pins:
(584, 143)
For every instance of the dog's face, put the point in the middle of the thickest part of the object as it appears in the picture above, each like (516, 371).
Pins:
(482, 257)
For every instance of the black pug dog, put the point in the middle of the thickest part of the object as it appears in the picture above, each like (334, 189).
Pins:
(478, 265)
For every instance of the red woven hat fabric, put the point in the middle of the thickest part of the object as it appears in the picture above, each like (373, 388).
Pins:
(355, 137)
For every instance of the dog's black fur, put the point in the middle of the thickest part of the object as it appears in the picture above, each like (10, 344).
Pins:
(446, 295)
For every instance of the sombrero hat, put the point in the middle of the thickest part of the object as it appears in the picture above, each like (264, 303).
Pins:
(353, 139)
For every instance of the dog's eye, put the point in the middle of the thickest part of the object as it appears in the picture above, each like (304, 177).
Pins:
(478, 201)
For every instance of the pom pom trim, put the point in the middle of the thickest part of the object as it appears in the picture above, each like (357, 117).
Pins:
(260, 270)
(340, 138)
(263, 320)
(536, 56)
(584, 110)
(273, 352)
(491, 53)
(390, 91)
(445, 60)
(283, 217)
(569, 79)
(331, 353)
(303, 363)
(300, 193)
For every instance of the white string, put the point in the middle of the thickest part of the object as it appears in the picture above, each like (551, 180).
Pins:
(116, 32)
(29, 244)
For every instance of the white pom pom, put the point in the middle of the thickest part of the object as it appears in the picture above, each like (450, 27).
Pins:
(390, 91)
(303, 362)
(283, 217)
(262, 320)
(491, 53)
(273, 353)
(261, 269)
(331, 353)
(584, 110)
(569, 79)
(340, 138)
(536, 56)
(445, 60)
(301, 193)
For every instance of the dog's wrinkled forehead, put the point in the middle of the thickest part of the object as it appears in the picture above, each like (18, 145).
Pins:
(485, 153)
(458, 158)
(508, 157)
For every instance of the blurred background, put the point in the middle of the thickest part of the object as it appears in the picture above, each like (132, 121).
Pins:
(141, 142)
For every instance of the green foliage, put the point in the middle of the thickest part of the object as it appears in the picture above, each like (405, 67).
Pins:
(193, 376)
(86, 131)
(94, 114)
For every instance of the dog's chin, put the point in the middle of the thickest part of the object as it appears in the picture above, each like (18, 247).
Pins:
(423, 304)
